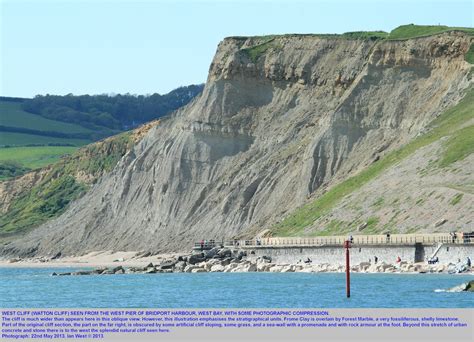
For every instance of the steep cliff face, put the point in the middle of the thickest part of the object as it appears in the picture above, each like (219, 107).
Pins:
(280, 119)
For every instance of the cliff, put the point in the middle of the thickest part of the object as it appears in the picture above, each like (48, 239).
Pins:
(281, 121)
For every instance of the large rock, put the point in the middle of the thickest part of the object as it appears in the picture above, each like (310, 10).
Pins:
(198, 270)
(190, 268)
(212, 252)
(196, 258)
(217, 268)
(288, 268)
(225, 253)
(180, 266)
(118, 270)
(276, 268)
(168, 264)
(470, 286)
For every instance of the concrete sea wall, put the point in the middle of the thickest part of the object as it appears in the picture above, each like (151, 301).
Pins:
(335, 255)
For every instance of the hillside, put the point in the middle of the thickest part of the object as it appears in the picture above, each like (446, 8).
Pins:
(37, 132)
(28, 201)
(300, 134)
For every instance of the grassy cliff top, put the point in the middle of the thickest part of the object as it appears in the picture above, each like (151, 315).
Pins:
(401, 32)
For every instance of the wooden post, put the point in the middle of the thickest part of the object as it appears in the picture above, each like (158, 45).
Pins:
(347, 245)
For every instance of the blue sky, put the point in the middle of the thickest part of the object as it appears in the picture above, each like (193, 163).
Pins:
(142, 47)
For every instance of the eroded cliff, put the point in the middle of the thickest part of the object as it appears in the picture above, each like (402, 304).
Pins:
(281, 119)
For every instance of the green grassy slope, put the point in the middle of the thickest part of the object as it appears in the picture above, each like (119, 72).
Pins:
(414, 31)
(13, 116)
(21, 139)
(35, 156)
(459, 145)
(50, 197)
(17, 153)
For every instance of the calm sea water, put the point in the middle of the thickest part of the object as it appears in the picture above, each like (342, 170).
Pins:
(36, 288)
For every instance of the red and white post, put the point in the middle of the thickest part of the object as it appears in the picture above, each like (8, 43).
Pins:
(347, 245)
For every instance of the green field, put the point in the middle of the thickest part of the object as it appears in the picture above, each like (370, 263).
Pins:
(12, 115)
(35, 157)
(17, 158)
(21, 139)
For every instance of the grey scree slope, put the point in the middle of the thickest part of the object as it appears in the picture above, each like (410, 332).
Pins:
(260, 140)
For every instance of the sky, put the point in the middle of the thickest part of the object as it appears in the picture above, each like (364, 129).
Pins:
(144, 47)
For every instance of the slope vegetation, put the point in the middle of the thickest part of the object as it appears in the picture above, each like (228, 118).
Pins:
(29, 201)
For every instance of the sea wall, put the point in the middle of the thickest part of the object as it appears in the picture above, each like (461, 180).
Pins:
(335, 255)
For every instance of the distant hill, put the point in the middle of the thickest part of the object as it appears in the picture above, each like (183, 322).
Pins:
(37, 132)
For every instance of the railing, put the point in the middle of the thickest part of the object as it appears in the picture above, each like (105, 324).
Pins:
(357, 240)
(209, 244)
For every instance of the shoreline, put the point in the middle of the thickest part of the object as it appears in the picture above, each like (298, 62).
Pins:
(223, 260)
(92, 259)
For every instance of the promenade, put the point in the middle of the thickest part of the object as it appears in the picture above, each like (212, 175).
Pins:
(356, 240)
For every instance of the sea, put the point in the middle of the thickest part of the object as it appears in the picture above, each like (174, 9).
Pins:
(36, 288)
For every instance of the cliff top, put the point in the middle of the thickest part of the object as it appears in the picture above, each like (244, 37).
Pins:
(401, 32)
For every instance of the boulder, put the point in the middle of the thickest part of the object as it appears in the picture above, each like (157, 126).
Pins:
(262, 267)
(180, 266)
(226, 261)
(189, 268)
(168, 264)
(288, 268)
(196, 258)
(225, 253)
(276, 268)
(266, 258)
(97, 271)
(245, 267)
(230, 267)
(217, 268)
(11, 261)
(212, 253)
(469, 286)
(198, 270)
(107, 271)
(304, 269)
(118, 270)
